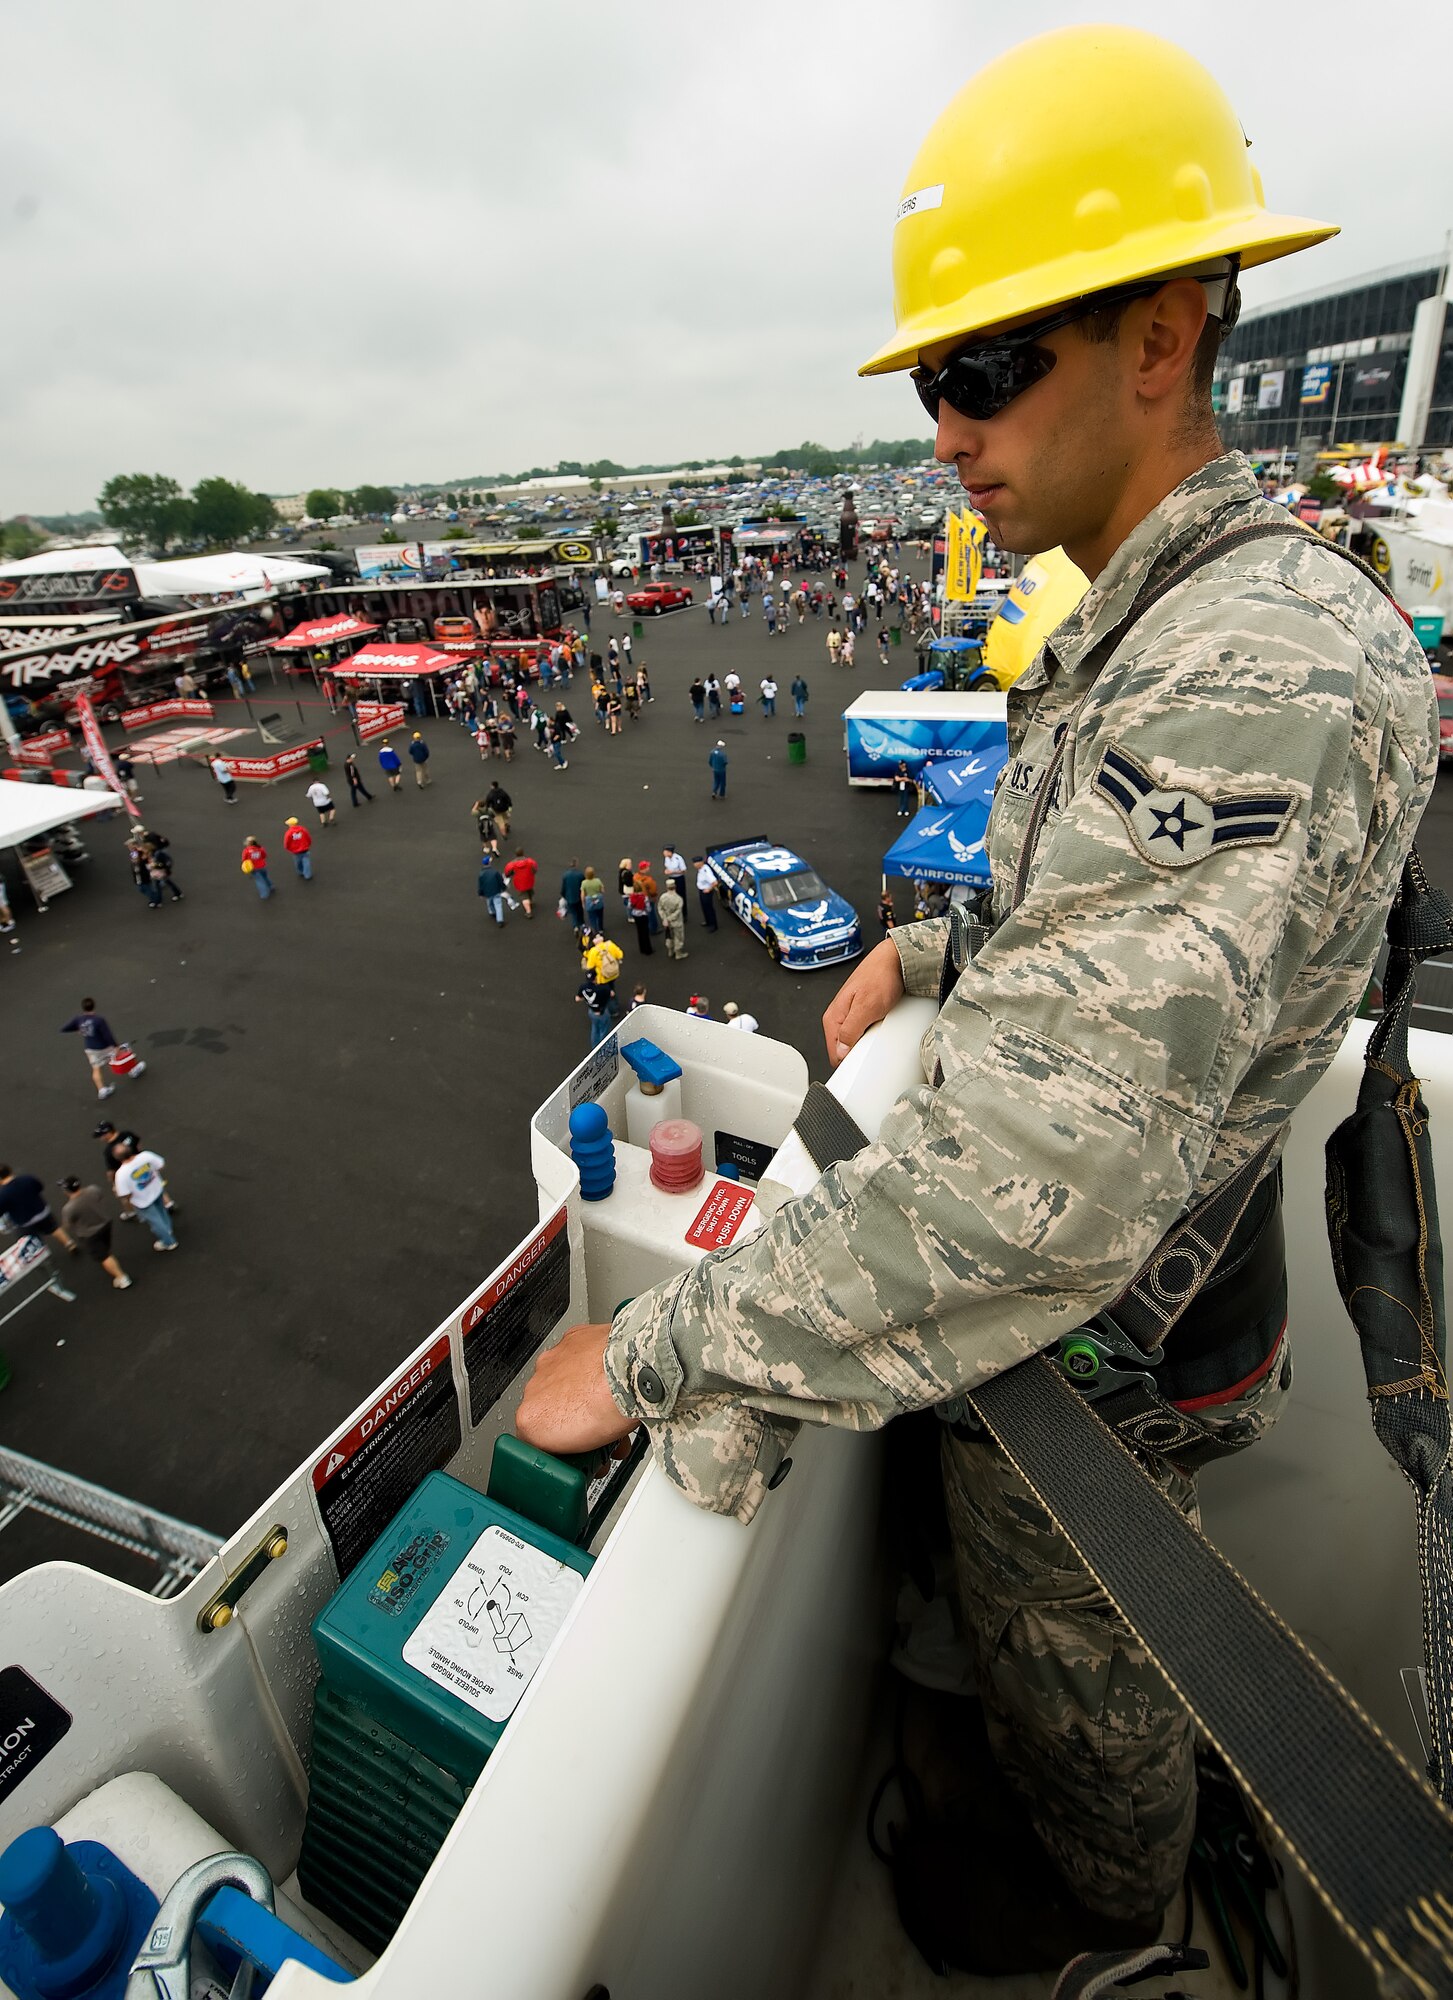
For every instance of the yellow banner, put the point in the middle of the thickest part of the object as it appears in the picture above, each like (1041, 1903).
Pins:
(975, 536)
(963, 558)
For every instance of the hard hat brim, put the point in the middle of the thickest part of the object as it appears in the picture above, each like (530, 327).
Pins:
(1252, 235)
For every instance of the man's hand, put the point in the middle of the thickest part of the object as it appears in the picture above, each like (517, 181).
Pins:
(869, 996)
(567, 1405)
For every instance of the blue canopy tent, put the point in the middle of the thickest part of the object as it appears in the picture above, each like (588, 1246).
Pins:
(945, 841)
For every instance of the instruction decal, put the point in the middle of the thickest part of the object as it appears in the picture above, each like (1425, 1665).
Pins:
(364, 1477)
(720, 1216)
(31, 1724)
(515, 1313)
(596, 1073)
(492, 1623)
(749, 1156)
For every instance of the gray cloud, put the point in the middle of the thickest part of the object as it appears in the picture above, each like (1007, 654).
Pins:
(338, 242)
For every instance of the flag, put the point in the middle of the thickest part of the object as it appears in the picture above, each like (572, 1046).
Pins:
(100, 755)
(975, 536)
(956, 567)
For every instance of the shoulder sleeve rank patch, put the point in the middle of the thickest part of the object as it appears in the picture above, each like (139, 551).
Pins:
(1175, 828)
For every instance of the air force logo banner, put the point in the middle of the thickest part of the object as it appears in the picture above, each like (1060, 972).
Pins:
(1177, 827)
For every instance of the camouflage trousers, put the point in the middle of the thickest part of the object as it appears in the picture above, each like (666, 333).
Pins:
(1081, 1722)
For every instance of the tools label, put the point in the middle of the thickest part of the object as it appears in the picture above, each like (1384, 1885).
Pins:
(492, 1624)
(31, 1724)
(365, 1476)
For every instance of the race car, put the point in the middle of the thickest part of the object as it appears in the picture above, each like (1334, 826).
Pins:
(657, 597)
(784, 901)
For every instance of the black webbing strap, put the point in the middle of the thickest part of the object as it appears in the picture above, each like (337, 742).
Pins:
(829, 1131)
(1372, 1840)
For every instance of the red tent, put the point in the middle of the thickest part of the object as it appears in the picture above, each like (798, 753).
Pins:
(323, 632)
(392, 663)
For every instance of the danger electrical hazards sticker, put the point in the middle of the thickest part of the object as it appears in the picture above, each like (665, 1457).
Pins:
(515, 1313)
(364, 1477)
(720, 1216)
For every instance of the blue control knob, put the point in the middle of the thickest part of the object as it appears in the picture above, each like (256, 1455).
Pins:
(593, 1150)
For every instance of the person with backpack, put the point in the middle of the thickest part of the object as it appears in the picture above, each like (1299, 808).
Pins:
(393, 770)
(1216, 767)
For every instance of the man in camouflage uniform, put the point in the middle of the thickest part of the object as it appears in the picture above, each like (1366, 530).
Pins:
(1210, 793)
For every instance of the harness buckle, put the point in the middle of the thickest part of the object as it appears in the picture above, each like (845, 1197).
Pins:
(1090, 1358)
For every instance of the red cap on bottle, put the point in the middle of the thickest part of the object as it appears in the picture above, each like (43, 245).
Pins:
(675, 1155)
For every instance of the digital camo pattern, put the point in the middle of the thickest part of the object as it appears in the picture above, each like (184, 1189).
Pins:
(1131, 1032)
(1079, 1719)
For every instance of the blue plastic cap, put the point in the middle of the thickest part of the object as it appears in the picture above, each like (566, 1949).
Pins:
(588, 1121)
(72, 1917)
(728, 1170)
(652, 1065)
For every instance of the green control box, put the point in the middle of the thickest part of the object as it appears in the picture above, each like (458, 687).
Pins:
(425, 1650)
(439, 1629)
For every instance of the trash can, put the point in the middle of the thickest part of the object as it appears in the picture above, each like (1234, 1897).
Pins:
(638, 630)
(897, 631)
(317, 756)
(1427, 626)
(796, 747)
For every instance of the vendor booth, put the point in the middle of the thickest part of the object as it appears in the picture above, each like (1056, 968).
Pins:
(944, 842)
(36, 819)
(381, 666)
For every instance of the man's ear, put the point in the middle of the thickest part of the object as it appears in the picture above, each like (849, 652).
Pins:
(1167, 328)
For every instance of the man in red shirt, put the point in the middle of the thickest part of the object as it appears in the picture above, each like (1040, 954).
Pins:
(254, 863)
(520, 873)
(299, 843)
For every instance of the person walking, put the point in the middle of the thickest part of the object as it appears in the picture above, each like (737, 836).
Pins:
(592, 896)
(572, 893)
(1278, 693)
(673, 867)
(356, 788)
(643, 684)
(24, 1206)
(732, 1014)
(492, 888)
(671, 908)
(834, 644)
(419, 758)
(521, 872)
(100, 1044)
(559, 739)
(883, 646)
(713, 697)
(697, 692)
(799, 695)
(600, 1004)
(602, 960)
(139, 1181)
(222, 772)
(321, 800)
(254, 863)
(299, 843)
(768, 696)
(718, 761)
(393, 770)
(84, 1216)
(638, 909)
(159, 871)
(498, 804)
(705, 891)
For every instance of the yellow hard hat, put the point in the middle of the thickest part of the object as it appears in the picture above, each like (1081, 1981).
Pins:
(1080, 160)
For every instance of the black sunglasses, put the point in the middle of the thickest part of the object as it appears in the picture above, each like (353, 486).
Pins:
(983, 377)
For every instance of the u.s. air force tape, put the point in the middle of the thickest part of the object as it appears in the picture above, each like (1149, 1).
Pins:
(1175, 828)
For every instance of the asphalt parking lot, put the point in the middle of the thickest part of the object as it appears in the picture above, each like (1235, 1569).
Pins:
(341, 1079)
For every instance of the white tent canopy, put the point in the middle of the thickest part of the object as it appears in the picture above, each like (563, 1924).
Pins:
(26, 810)
(215, 576)
(68, 561)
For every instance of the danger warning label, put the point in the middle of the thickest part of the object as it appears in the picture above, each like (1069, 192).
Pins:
(515, 1313)
(365, 1476)
(720, 1216)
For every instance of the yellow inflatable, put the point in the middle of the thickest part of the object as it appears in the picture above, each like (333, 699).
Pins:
(1043, 596)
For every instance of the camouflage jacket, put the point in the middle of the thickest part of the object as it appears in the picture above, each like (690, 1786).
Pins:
(1242, 776)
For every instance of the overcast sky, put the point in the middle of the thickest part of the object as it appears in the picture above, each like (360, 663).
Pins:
(342, 241)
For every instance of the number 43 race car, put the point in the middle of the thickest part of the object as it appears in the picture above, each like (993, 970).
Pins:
(786, 903)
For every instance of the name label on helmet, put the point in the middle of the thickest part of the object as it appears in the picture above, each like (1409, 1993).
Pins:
(931, 197)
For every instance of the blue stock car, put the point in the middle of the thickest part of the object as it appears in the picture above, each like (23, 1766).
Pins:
(786, 903)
